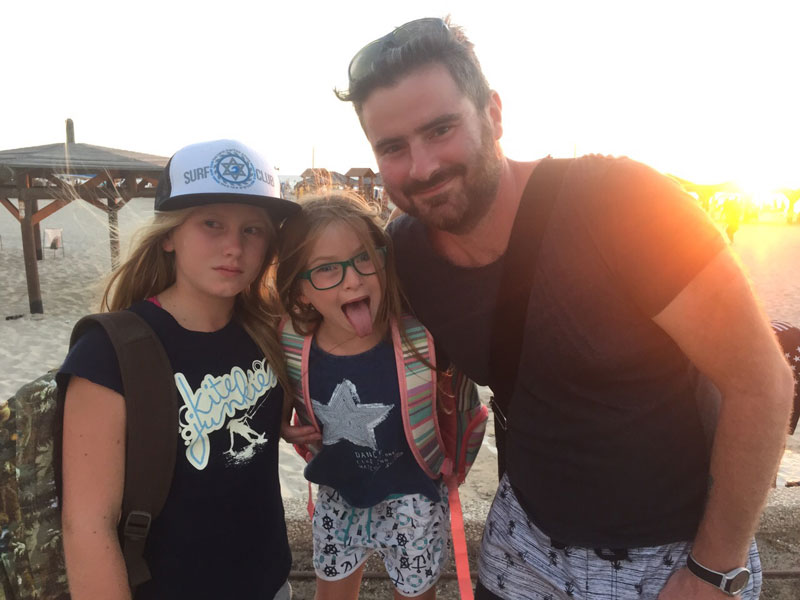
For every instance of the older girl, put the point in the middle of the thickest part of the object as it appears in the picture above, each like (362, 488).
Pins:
(196, 276)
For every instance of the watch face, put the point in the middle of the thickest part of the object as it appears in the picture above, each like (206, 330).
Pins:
(739, 581)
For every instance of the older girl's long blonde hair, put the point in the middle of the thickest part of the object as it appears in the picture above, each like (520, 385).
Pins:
(149, 270)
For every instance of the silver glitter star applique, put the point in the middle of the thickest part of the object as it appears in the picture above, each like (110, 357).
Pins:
(344, 418)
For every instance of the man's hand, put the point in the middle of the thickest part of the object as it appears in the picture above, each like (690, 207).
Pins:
(685, 586)
(300, 434)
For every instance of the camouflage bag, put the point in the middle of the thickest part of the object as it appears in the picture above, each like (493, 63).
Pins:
(31, 543)
(30, 518)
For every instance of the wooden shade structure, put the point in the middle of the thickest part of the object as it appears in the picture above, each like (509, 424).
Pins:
(106, 178)
(365, 181)
(706, 191)
(316, 178)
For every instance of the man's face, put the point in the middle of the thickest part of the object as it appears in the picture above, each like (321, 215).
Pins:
(437, 153)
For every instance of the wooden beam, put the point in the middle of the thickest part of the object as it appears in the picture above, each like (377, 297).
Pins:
(43, 193)
(130, 185)
(113, 233)
(94, 181)
(95, 202)
(37, 233)
(60, 183)
(29, 255)
(41, 214)
(11, 208)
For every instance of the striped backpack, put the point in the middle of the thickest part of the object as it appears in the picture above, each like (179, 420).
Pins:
(443, 417)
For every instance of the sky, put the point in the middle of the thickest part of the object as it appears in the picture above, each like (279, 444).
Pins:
(708, 90)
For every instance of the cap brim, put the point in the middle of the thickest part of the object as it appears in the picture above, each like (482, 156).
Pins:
(278, 208)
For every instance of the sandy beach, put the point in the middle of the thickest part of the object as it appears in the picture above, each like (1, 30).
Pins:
(30, 345)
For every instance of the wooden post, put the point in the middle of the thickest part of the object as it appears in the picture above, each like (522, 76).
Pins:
(113, 232)
(70, 131)
(29, 254)
(37, 233)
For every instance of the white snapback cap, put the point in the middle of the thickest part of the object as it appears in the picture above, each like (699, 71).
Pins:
(221, 171)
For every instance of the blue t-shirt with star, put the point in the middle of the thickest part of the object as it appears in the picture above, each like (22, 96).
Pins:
(365, 454)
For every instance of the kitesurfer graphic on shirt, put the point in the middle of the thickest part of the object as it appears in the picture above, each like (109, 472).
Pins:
(227, 401)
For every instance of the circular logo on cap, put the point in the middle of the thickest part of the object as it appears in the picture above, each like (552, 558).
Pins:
(233, 169)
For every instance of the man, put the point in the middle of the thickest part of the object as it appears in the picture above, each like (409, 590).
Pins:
(609, 484)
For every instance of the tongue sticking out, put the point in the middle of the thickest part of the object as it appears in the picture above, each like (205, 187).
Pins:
(359, 316)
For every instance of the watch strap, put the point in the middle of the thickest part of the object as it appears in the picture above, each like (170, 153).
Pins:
(721, 581)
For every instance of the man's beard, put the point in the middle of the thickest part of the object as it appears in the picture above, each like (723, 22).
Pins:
(480, 182)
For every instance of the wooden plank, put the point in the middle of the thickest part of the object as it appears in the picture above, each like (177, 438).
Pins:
(96, 203)
(144, 191)
(29, 254)
(43, 213)
(94, 181)
(130, 185)
(11, 208)
(60, 183)
(42, 193)
(113, 234)
(37, 233)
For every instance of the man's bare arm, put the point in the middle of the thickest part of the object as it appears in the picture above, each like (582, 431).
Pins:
(718, 324)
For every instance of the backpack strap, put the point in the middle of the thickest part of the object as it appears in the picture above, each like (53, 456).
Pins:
(418, 393)
(296, 349)
(472, 416)
(516, 283)
(417, 383)
(460, 553)
(151, 419)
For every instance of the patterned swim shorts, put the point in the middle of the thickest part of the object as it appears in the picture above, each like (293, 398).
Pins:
(411, 533)
(519, 562)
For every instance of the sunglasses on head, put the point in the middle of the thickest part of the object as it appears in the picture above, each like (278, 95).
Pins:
(363, 63)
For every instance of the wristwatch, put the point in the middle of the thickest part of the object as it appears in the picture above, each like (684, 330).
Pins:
(732, 582)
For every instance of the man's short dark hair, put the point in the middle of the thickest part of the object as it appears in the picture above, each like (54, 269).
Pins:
(447, 46)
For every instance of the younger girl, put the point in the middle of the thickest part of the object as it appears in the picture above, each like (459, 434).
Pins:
(196, 276)
(337, 281)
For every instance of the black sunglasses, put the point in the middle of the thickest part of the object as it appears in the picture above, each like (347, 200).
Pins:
(363, 63)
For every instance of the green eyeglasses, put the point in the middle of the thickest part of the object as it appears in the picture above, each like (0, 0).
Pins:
(363, 62)
(329, 275)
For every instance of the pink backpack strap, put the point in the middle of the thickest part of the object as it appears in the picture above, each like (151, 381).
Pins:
(417, 383)
(459, 538)
(296, 349)
(418, 386)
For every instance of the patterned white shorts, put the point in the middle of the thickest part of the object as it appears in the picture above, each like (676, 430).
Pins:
(519, 562)
(411, 533)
